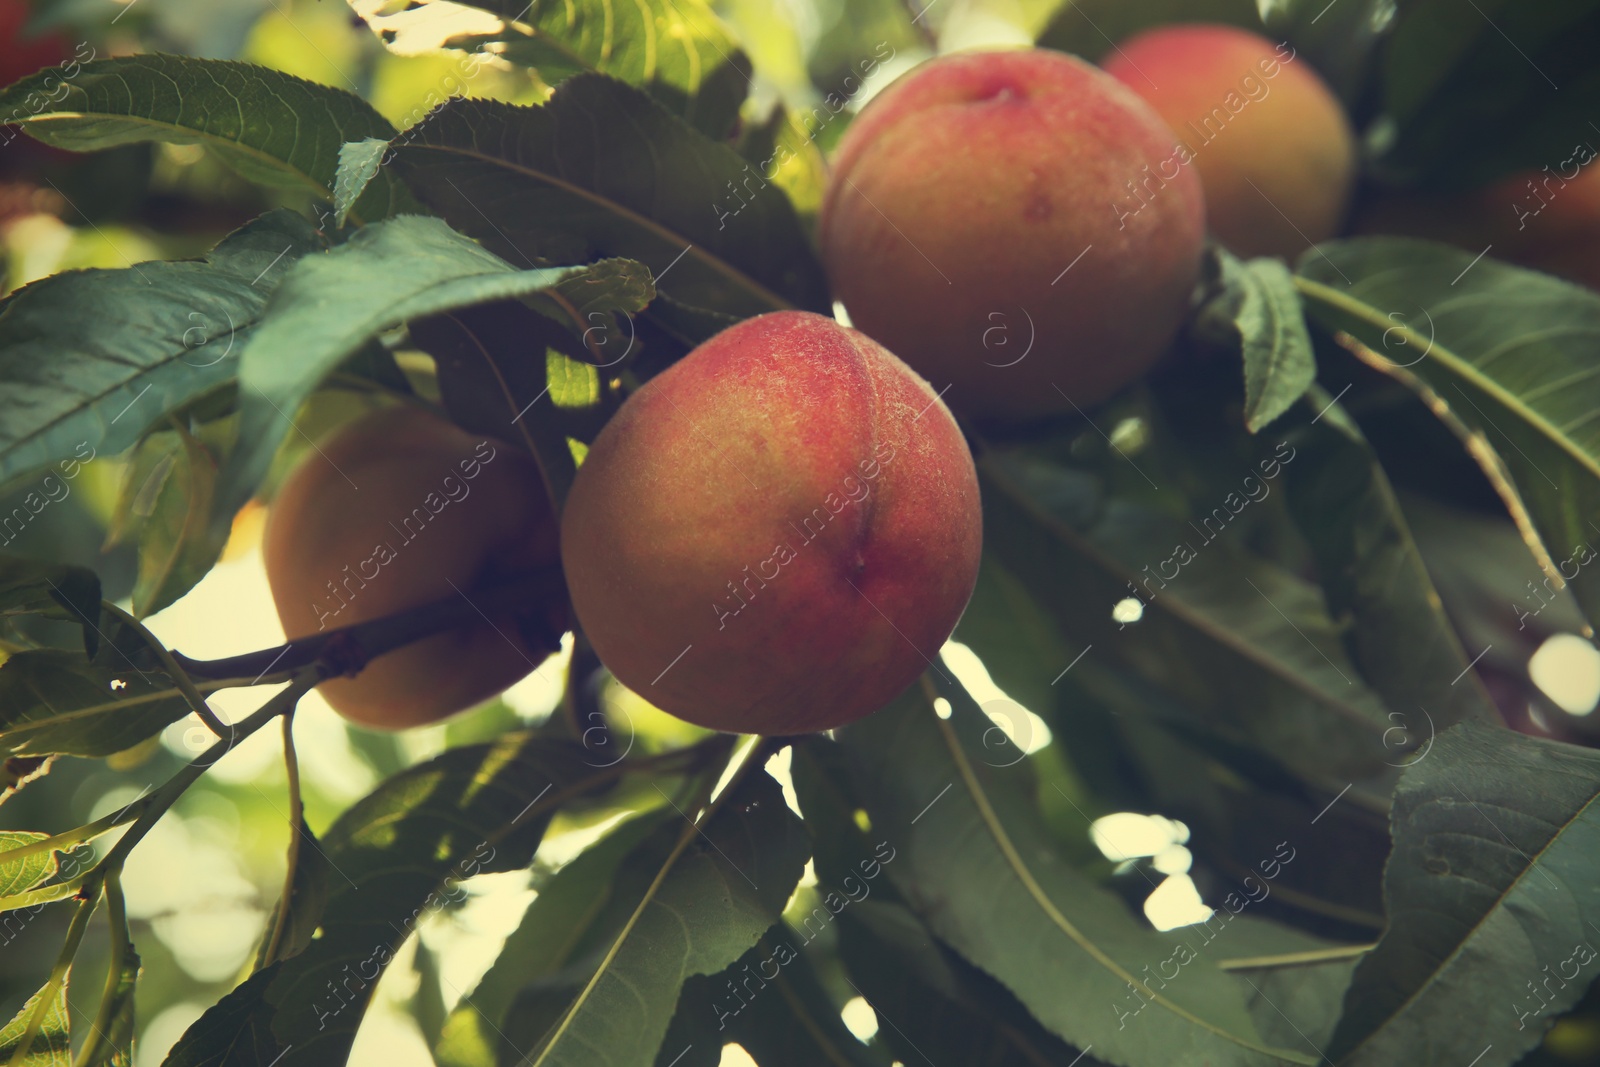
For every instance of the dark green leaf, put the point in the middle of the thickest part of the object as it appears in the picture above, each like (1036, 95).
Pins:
(1210, 630)
(706, 910)
(927, 998)
(1376, 583)
(161, 336)
(1340, 40)
(52, 701)
(1510, 351)
(1090, 28)
(1493, 897)
(54, 590)
(358, 165)
(561, 184)
(168, 492)
(772, 1003)
(271, 127)
(396, 857)
(331, 305)
(1263, 309)
(1473, 95)
(975, 864)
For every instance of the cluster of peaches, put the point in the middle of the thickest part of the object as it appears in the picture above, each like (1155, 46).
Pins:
(777, 534)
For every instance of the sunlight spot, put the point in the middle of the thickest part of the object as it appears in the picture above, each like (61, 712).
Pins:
(1127, 835)
(1175, 903)
(1567, 670)
(736, 1056)
(941, 707)
(1127, 610)
(859, 1018)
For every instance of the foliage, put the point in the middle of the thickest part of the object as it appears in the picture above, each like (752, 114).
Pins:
(1253, 593)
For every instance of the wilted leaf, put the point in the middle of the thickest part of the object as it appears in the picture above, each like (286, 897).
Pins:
(1493, 900)
(161, 335)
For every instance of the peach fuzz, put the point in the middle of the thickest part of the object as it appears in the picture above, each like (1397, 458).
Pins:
(982, 207)
(1274, 150)
(395, 510)
(776, 534)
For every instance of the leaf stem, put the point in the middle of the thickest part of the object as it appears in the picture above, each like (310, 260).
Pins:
(70, 838)
(58, 978)
(291, 764)
(180, 677)
(105, 1016)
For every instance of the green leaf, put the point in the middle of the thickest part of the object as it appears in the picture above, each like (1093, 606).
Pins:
(1510, 351)
(396, 857)
(699, 914)
(1376, 582)
(162, 335)
(544, 942)
(51, 1045)
(18, 876)
(1470, 96)
(974, 860)
(1493, 898)
(1216, 643)
(358, 165)
(772, 1003)
(271, 127)
(330, 305)
(564, 183)
(55, 590)
(926, 997)
(1263, 309)
(1341, 41)
(676, 50)
(168, 492)
(53, 701)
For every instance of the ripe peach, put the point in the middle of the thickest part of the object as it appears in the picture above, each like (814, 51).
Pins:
(996, 219)
(776, 534)
(398, 509)
(1270, 140)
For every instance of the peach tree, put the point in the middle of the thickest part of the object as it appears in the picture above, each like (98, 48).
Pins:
(1266, 543)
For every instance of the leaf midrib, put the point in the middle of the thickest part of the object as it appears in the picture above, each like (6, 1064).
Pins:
(704, 257)
(1014, 860)
(1499, 902)
(1462, 367)
(1174, 606)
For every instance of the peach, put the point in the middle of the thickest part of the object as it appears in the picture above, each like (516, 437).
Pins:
(776, 534)
(997, 220)
(1274, 150)
(398, 509)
